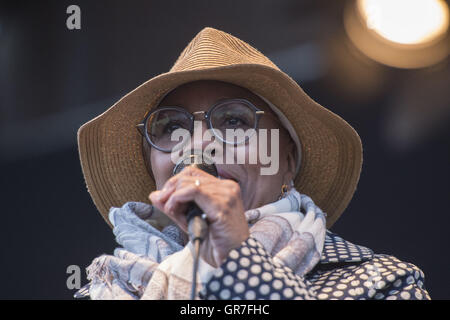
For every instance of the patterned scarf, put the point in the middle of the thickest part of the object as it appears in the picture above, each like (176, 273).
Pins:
(155, 264)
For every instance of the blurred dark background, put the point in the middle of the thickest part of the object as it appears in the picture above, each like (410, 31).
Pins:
(53, 79)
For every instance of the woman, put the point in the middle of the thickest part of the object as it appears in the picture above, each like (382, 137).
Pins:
(267, 234)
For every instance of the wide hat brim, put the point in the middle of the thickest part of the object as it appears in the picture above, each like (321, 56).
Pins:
(113, 165)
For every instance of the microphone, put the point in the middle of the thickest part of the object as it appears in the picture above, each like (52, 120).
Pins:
(197, 226)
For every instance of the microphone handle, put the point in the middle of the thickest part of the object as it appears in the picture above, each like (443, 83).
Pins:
(197, 226)
(192, 211)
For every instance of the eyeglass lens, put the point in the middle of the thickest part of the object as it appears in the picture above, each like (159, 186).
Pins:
(232, 115)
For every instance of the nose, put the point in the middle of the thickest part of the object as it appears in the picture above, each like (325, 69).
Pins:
(201, 137)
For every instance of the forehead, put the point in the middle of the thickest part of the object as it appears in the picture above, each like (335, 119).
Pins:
(200, 95)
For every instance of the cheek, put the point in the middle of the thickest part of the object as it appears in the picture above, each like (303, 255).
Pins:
(162, 167)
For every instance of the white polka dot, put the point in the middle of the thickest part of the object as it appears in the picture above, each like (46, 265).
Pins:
(377, 278)
(341, 286)
(250, 295)
(231, 266)
(239, 287)
(278, 274)
(402, 265)
(354, 283)
(347, 275)
(391, 298)
(410, 280)
(242, 274)
(408, 288)
(338, 293)
(214, 285)
(228, 280)
(266, 276)
(255, 269)
(288, 293)
(405, 295)
(267, 266)
(275, 296)
(379, 296)
(244, 262)
(218, 273)
(368, 284)
(300, 291)
(277, 284)
(392, 292)
(251, 242)
(418, 295)
(327, 289)
(290, 283)
(401, 272)
(330, 283)
(245, 251)
(264, 289)
(371, 293)
(256, 259)
(225, 294)
(254, 281)
(390, 277)
(348, 298)
(380, 284)
(359, 290)
(322, 296)
(398, 283)
(364, 276)
(234, 254)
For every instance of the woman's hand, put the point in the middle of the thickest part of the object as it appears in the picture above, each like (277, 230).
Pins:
(219, 199)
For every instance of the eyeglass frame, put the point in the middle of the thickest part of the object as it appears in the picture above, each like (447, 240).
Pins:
(143, 130)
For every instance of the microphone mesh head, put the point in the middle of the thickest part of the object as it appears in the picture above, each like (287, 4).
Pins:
(198, 160)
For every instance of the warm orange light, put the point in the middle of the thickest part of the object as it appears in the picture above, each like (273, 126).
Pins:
(406, 21)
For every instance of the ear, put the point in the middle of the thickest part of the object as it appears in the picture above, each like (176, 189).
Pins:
(291, 161)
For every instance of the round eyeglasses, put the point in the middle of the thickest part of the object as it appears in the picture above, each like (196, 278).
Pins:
(231, 114)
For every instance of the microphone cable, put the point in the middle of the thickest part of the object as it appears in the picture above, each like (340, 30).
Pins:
(197, 224)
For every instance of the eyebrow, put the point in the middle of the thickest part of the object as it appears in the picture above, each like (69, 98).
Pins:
(269, 111)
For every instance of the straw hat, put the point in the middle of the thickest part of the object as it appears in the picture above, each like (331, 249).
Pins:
(110, 147)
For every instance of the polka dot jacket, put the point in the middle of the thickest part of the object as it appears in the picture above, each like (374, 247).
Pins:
(345, 271)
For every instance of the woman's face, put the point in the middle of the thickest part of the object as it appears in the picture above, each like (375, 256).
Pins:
(256, 189)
